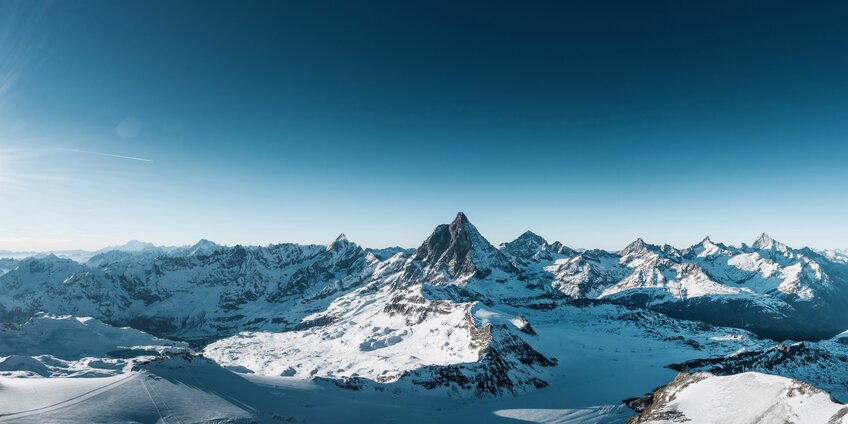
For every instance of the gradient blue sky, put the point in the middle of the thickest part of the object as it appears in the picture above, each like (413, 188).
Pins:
(593, 123)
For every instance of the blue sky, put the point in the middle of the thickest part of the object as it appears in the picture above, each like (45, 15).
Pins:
(261, 122)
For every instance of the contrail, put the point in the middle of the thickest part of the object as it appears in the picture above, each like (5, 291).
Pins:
(114, 156)
(122, 157)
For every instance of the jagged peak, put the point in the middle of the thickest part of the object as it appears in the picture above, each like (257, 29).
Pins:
(765, 242)
(203, 247)
(460, 219)
(705, 247)
(340, 242)
(459, 249)
(636, 246)
(460, 229)
(562, 249)
(461, 224)
(527, 246)
(669, 249)
(529, 235)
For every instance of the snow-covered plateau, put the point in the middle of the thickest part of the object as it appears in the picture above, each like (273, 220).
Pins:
(457, 329)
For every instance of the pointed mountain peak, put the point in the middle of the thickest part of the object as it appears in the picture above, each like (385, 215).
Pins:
(461, 225)
(562, 249)
(765, 242)
(637, 246)
(706, 247)
(460, 250)
(460, 219)
(205, 243)
(203, 247)
(340, 243)
(527, 246)
(527, 238)
(529, 235)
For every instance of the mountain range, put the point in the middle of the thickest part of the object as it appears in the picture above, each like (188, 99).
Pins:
(456, 317)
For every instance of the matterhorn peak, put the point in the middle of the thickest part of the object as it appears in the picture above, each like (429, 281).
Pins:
(459, 250)
(460, 219)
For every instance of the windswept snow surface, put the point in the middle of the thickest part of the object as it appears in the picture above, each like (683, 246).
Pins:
(192, 389)
(51, 345)
(747, 398)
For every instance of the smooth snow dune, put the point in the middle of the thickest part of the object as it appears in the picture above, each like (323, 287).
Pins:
(18, 395)
(179, 390)
(197, 391)
(747, 398)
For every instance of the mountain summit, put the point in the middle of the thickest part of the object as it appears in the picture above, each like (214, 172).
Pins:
(765, 242)
(457, 251)
(637, 247)
(529, 246)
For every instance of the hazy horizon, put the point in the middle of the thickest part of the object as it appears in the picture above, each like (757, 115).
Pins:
(496, 243)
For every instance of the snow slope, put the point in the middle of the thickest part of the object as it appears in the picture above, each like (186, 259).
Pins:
(741, 399)
(192, 389)
(50, 345)
(823, 364)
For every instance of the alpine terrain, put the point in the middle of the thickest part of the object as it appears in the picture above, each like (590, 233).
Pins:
(455, 329)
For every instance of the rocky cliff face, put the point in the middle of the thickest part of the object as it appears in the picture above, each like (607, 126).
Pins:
(456, 253)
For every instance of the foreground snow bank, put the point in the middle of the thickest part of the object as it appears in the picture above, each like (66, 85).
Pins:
(749, 397)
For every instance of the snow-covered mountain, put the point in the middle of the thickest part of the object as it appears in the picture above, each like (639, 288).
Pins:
(455, 318)
(206, 291)
(198, 291)
(768, 288)
(835, 255)
(82, 256)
